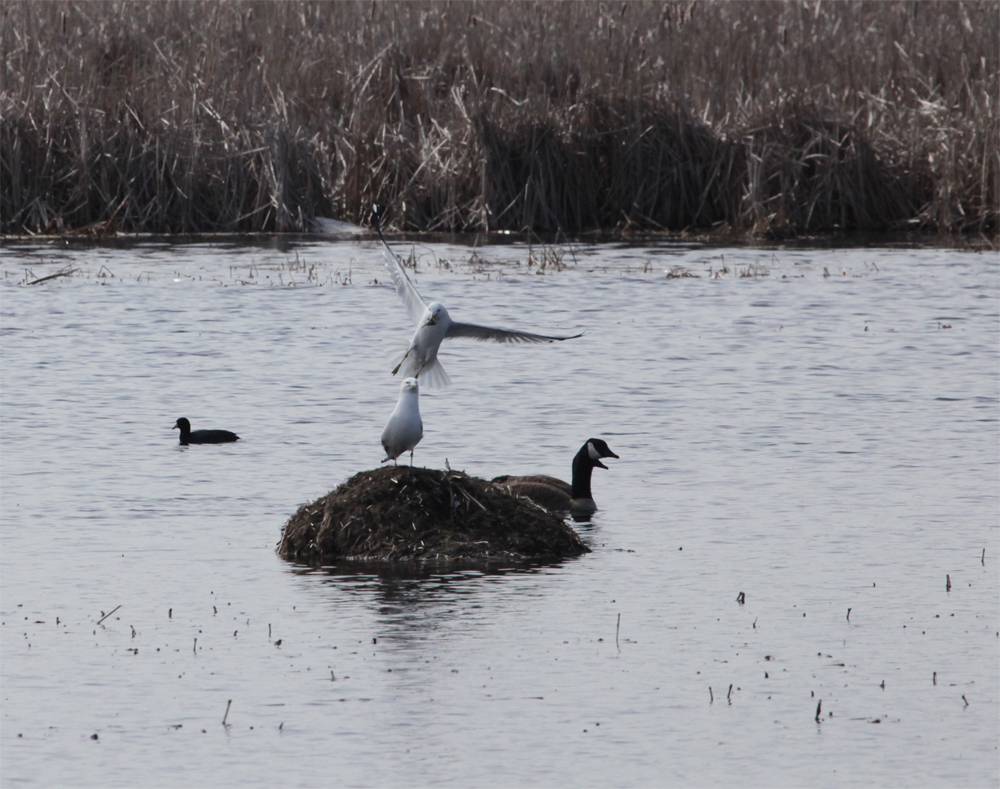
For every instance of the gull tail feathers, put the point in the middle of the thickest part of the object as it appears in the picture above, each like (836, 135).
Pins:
(433, 376)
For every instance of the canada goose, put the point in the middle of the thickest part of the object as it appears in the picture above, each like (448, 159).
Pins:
(434, 324)
(553, 493)
(404, 429)
(189, 436)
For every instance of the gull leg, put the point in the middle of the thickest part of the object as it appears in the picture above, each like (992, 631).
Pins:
(396, 368)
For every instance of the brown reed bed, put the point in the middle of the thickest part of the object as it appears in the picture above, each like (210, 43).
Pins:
(773, 118)
(405, 514)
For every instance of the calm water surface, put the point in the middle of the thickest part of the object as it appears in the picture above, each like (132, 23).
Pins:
(814, 428)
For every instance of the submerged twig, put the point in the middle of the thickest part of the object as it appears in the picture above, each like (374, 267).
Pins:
(63, 273)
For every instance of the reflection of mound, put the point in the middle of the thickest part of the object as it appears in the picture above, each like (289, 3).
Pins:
(403, 513)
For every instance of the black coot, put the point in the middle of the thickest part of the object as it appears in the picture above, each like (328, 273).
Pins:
(189, 436)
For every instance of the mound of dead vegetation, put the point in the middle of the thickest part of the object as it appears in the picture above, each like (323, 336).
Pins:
(412, 514)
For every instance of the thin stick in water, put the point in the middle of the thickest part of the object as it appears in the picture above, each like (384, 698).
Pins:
(63, 273)
(109, 613)
(228, 704)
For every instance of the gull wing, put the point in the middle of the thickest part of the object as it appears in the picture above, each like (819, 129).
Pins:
(407, 292)
(471, 331)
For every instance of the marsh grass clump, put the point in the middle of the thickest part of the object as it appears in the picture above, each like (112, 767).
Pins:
(416, 514)
(807, 172)
(770, 118)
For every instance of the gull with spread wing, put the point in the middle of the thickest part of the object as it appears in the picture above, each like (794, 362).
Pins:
(434, 325)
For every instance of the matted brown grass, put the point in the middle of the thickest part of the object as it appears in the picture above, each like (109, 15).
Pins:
(416, 514)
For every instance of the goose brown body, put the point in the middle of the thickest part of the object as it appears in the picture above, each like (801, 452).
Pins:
(555, 494)
(537, 479)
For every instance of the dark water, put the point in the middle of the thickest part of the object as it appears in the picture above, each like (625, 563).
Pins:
(816, 429)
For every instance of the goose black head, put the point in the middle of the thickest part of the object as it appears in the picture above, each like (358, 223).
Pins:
(596, 449)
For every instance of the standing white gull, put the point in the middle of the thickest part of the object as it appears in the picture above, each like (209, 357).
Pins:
(404, 429)
(434, 324)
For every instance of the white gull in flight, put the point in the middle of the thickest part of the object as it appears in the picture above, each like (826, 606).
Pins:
(434, 324)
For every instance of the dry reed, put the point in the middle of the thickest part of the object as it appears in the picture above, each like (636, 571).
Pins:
(769, 117)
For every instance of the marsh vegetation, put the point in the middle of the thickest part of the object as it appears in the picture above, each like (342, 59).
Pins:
(755, 117)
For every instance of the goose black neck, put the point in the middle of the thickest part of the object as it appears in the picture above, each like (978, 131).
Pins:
(583, 467)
